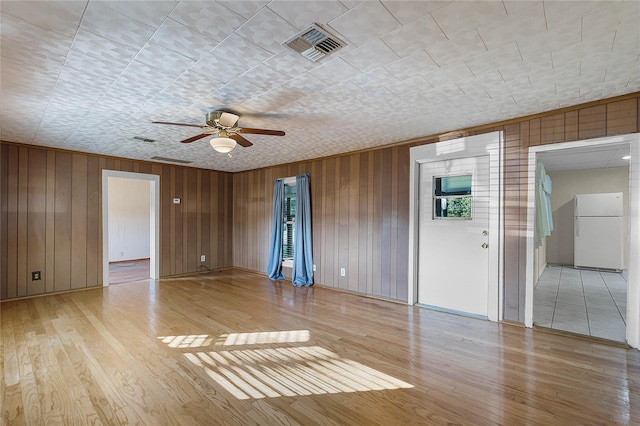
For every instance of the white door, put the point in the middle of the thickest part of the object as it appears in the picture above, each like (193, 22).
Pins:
(453, 255)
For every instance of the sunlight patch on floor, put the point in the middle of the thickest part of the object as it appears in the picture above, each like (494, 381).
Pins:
(291, 336)
(270, 372)
(187, 341)
(291, 371)
(236, 339)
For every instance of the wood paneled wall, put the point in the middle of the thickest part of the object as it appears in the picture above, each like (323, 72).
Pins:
(359, 219)
(51, 205)
(360, 203)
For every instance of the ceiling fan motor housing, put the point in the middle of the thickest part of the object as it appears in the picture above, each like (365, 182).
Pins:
(212, 116)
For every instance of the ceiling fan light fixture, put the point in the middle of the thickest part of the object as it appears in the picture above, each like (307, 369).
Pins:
(223, 145)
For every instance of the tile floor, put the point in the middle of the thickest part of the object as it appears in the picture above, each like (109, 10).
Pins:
(587, 302)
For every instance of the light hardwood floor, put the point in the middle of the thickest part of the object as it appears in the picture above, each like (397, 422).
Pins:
(234, 348)
(127, 271)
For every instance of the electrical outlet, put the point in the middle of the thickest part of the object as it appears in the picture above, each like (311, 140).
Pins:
(203, 258)
(343, 272)
(314, 268)
(35, 276)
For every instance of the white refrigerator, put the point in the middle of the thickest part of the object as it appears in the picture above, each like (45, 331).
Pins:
(598, 233)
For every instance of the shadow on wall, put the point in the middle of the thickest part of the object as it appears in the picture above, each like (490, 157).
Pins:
(560, 249)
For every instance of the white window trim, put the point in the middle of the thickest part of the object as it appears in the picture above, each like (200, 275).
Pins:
(291, 180)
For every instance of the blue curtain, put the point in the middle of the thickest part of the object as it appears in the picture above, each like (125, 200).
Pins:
(544, 215)
(275, 251)
(302, 257)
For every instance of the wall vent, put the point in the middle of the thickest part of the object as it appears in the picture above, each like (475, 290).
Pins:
(171, 160)
(140, 138)
(314, 43)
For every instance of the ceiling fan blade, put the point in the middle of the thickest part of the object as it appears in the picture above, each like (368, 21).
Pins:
(179, 124)
(195, 138)
(241, 140)
(262, 131)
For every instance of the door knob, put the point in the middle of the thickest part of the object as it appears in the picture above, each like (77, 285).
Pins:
(485, 245)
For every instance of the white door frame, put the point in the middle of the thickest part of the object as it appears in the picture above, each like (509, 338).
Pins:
(487, 143)
(154, 215)
(633, 293)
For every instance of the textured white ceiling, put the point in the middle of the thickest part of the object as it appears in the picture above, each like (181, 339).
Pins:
(92, 75)
(587, 157)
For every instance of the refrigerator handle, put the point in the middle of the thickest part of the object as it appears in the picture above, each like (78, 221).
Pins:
(576, 221)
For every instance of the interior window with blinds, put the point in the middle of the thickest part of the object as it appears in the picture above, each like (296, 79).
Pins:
(289, 218)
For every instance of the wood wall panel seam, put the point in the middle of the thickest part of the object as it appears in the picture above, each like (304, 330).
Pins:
(23, 224)
(78, 221)
(12, 223)
(36, 220)
(62, 225)
(4, 214)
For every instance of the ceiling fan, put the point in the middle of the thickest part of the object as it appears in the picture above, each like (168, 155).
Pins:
(225, 126)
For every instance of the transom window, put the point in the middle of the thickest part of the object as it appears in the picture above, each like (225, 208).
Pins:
(452, 197)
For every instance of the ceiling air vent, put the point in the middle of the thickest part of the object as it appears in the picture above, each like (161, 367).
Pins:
(314, 43)
(170, 160)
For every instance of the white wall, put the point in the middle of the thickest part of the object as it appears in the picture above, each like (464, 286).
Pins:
(129, 219)
(565, 186)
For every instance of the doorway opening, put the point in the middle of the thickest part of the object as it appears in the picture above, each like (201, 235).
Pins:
(590, 299)
(455, 217)
(130, 226)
